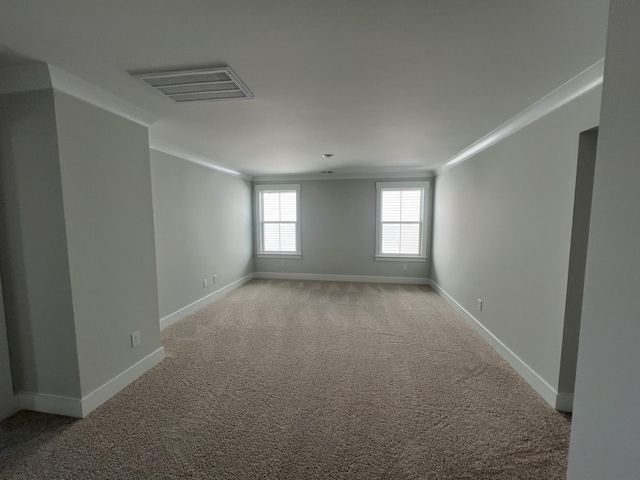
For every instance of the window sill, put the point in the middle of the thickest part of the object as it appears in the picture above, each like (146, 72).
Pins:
(278, 255)
(391, 258)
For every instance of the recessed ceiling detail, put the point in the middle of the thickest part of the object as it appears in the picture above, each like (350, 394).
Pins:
(208, 85)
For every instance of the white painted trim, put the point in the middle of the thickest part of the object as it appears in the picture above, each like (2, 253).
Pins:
(101, 394)
(539, 384)
(359, 175)
(402, 185)
(425, 208)
(80, 408)
(390, 258)
(321, 277)
(203, 302)
(83, 90)
(274, 188)
(578, 85)
(163, 146)
(25, 78)
(57, 405)
(258, 214)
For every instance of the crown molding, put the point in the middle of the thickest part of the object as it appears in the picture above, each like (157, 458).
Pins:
(25, 78)
(578, 85)
(83, 90)
(40, 76)
(175, 151)
(361, 175)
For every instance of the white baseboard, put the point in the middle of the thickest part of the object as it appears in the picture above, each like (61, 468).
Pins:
(39, 402)
(203, 302)
(80, 408)
(101, 394)
(562, 402)
(341, 278)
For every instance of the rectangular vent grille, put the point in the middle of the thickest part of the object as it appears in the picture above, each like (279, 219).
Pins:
(198, 85)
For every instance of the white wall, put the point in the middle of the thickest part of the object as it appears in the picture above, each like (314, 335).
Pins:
(108, 215)
(33, 249)
(8, 404)
(577, 259)
(77, 253)
(605, 432)
(502, 233)
(202, 228)
(338, 229)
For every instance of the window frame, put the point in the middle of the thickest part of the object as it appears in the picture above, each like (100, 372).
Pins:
(424, 219)
(259, 189)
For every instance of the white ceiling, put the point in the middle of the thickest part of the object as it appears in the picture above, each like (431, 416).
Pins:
(383, 85)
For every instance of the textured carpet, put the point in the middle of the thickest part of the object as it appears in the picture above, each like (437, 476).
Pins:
(306, 380)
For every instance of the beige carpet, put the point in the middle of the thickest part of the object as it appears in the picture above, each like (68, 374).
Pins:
(306, 380)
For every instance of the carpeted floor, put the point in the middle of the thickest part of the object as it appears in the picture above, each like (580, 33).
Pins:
(305, 380)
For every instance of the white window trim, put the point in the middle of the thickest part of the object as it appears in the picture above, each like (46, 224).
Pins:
(258, 221)
(424, 231)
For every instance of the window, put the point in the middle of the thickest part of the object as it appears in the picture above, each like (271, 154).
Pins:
(278, 220)
(400, 227)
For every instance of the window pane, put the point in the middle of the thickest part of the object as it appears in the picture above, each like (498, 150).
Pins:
(279, 237)
(279, 206)
(271, 206)
(390, 238)
(411, 205)
(401, 238)
(391, 205)
(271, 237)
(287, 237)
(288, 206)
(401, 205)
(410, 238)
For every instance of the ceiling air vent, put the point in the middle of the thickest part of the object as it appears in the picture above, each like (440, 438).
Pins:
(207, 85)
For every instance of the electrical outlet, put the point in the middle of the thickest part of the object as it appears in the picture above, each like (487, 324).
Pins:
(282, 263)
(135, 339)
(404, 266)
(215, 279)
(479, 304)
(204, 283)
